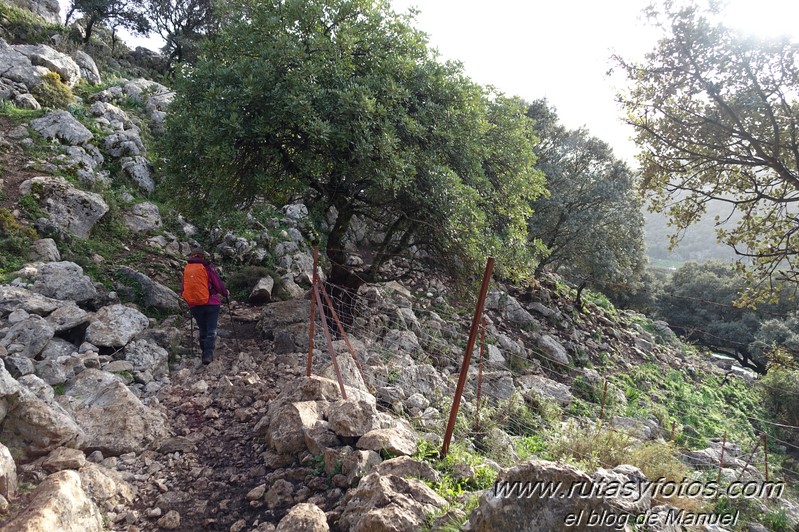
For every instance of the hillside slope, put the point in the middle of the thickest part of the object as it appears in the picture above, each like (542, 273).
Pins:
(108, 416)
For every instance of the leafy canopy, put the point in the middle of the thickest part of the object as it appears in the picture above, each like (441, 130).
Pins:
(343, 103)
(114, 13)
(591, 221)
(716, 119)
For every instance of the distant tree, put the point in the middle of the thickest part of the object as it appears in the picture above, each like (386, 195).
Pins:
(717, 119)
(343, 103)
(113, 13)
(699, 303)
(182, 24)
(591, 221)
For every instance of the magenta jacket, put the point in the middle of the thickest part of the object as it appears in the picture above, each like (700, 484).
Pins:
(217, 287)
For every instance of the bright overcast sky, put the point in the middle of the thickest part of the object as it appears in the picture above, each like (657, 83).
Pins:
(560, 49)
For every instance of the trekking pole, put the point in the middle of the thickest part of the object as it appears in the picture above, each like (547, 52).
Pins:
(233, 325)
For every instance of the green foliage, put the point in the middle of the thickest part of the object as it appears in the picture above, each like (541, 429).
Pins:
(17, 115)
(59, 389)
(183, 25)
(780, 391)
(15, 241)
(21, 25)
(591, 221)
(705, 405)
(699, 301)
(715, 118)
(52, 92)
(113, 13)
(451, 487)
(532, 446)
(241, 282)
(777, 521)
(344, 103)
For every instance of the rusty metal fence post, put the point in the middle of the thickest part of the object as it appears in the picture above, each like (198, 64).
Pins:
(478, 313)
(313, 319)
(330, 347)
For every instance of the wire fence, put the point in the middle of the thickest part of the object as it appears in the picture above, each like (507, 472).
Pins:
(406, 341)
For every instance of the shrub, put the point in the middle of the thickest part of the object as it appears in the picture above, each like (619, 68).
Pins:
(780, 390)
(52, 92)
(15, 241)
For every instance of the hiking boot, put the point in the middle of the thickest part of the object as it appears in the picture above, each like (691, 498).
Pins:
(208, 358)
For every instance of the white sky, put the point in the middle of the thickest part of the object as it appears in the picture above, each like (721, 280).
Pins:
(560, 49)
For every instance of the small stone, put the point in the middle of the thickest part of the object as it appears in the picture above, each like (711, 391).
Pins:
(154, 512)
(3, 505)
(256, 493)
(170, 521)
(238, 526)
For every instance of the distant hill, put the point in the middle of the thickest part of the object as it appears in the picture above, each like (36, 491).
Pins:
(698, 243)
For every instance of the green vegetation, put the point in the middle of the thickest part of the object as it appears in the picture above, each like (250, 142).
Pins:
(18, 24)
(52, 92)
(703, 89)
(367, 121)
(591, 219)
(15, 241)
(707, 404)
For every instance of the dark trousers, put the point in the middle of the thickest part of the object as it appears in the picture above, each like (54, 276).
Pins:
(206, 317)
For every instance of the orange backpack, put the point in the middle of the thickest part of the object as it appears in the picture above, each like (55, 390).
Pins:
(195, 284)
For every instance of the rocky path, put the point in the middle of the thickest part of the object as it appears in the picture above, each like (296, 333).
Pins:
(200, 479)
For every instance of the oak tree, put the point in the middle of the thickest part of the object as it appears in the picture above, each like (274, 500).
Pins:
(343, 103)
(715, 117)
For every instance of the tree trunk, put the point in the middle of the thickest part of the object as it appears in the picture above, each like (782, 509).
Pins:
(342, 284)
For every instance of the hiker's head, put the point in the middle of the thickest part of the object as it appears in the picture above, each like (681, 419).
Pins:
(197, 252)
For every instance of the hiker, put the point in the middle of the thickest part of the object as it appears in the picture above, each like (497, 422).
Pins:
(201, 287)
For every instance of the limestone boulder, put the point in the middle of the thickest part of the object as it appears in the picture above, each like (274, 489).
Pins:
(62, 126)
(543, 388)
(155, 295)
(127, 143)
(62, 280)
(59, 503)
(43, 55)
(552, 350)
(68, 209)
(64, 458)
(502, 507)
(393, 441)
(115, 325)
(27, 338)
(44, 250)
(67, 317)
(8, 474)
(423, 379)
(352, 417)
(88, 68)
(34, 427)
(143, 218)
(105, 486)
(114, 420)
(146, 355)
(18, 69)
(407, 467)
(49, 10)
(304, 516)
(388, 502)
(140, 170)
(17, 298)
(262, 292)
(287, 318)
(288, 426)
